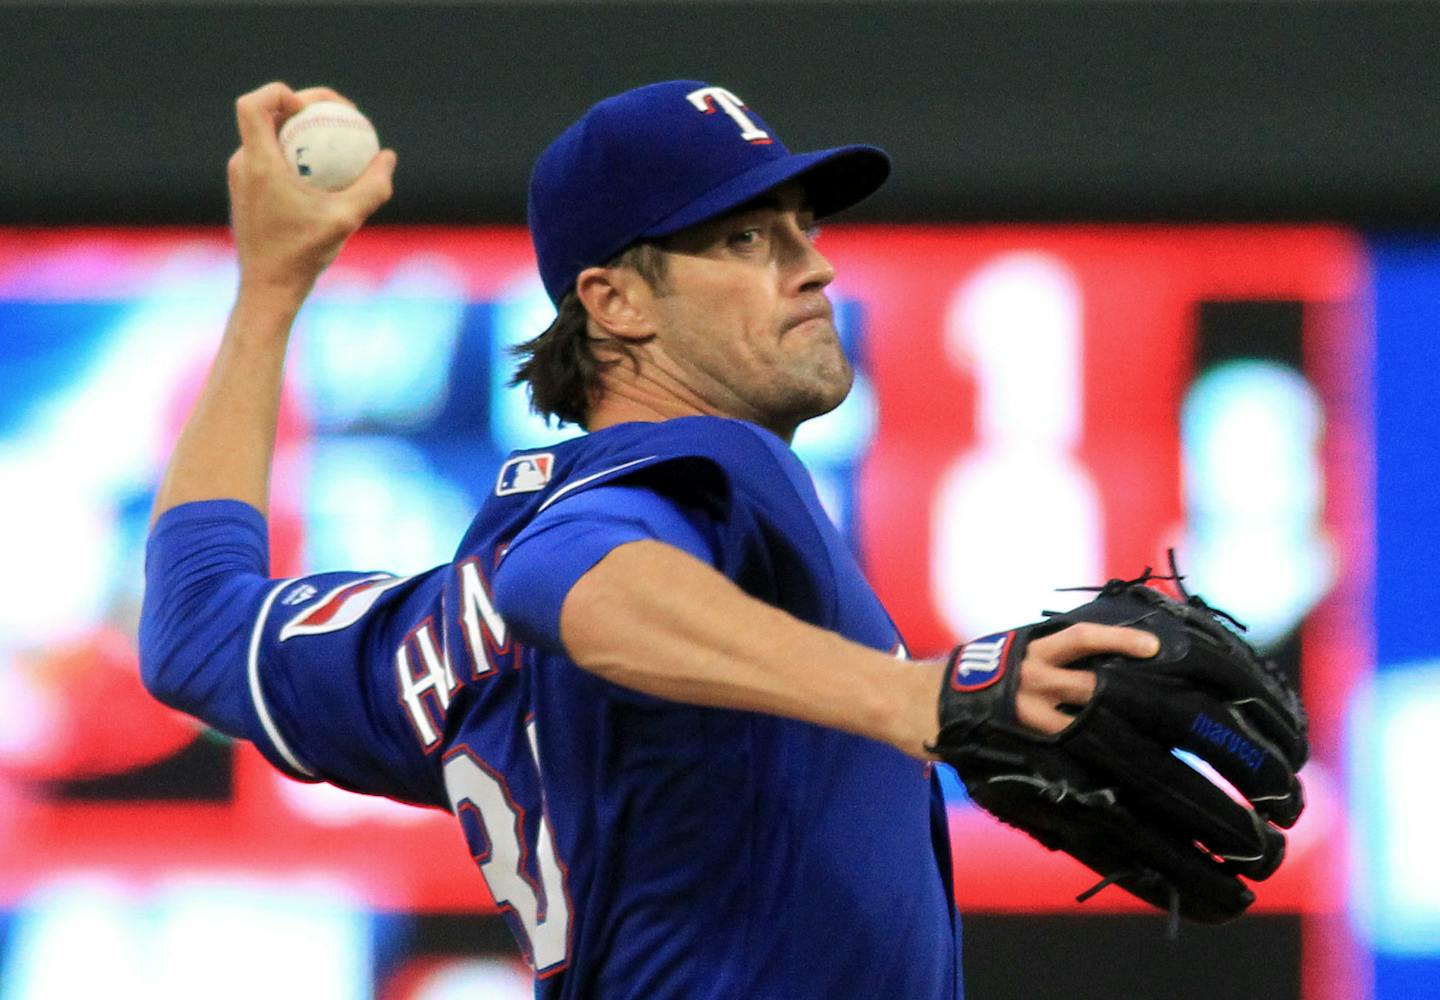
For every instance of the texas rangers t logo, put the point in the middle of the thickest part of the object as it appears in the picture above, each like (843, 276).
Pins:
(707, 99)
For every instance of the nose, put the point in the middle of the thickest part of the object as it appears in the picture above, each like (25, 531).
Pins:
(810, 270)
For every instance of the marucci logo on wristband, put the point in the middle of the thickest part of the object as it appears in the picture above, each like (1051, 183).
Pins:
(980, 662)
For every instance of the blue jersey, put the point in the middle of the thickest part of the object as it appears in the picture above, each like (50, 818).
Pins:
(637, 847)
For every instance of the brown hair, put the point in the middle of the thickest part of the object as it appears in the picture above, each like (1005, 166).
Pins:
(560, 364)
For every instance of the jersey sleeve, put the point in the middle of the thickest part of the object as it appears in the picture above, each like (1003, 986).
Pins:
(204, 574)
(301, 667)
(567, 539)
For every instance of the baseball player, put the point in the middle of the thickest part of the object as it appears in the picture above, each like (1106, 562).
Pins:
(677, 728)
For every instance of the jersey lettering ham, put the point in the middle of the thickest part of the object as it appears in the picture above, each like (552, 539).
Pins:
(426, 683)
(342, 607)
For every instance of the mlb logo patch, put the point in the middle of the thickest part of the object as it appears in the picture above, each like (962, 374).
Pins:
(980, 663)
(524, 474)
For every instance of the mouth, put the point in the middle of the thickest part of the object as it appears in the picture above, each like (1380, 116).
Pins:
(812, 315)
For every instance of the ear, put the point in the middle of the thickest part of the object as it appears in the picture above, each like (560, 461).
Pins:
(618, 300)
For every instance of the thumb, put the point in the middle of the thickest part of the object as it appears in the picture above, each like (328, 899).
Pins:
(375, 185)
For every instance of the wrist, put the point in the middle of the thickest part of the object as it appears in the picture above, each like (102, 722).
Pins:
(280, 294)
(267, 308)
(261, 320)
(914, 719)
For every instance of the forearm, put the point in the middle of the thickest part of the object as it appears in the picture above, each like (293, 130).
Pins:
(225, 448)
(651, 618)
(286, 234)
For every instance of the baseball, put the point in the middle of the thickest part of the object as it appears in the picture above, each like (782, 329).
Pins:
(329, 144)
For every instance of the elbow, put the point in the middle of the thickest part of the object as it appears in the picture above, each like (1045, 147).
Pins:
(203, 585)
(188, 644)
(159, 653)
(193, 655)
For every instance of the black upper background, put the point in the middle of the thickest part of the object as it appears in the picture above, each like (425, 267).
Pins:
(1007, 110)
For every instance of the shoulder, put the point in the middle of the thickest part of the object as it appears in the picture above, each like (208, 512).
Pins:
(690, 455)
(717, 439)
(704, 464)
(724, 440)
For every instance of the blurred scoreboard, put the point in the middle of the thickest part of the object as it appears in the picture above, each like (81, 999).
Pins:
(1035, 408)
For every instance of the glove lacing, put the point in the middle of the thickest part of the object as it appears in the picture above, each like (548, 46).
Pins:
(1172, 922)
(1112, 587)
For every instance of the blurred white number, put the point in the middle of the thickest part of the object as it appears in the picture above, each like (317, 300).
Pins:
(1017, 515)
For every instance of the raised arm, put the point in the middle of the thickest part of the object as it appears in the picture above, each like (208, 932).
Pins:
(655, 619)
(207, 568)
(286, 233)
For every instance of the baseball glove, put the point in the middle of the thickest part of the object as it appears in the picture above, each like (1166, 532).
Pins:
(1108, 790)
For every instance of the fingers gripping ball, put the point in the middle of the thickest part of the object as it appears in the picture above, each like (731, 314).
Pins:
(329, 144)
(1108, 790)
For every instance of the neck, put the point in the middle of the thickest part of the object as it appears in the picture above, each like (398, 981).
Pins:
(621, 407)
(649, 392)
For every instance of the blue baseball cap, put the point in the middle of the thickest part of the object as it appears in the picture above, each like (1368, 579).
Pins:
(652, 161)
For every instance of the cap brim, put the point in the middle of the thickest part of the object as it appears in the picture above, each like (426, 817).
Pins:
(834, 179)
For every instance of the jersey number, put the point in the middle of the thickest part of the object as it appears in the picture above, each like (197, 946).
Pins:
(471, 784)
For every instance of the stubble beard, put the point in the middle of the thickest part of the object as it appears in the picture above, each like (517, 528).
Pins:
(818, 383)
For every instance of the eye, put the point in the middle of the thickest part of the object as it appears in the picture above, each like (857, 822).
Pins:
(812, 232)
(746, 237)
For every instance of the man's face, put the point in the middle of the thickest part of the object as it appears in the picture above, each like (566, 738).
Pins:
(744, 323)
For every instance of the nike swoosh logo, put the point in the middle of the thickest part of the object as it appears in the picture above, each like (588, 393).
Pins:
(591, 478)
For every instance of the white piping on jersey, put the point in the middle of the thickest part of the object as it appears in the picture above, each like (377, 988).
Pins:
(590, 479)
(257, 696)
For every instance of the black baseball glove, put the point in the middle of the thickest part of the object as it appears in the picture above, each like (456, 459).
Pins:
(1108, 790)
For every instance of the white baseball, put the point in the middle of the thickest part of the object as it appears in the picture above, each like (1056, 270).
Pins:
(329, 144)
